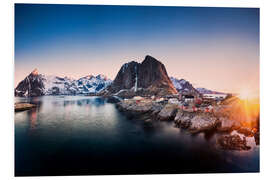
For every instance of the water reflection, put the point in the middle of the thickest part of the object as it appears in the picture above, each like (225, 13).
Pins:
(32, 114)
(80, 102)
(74, 132)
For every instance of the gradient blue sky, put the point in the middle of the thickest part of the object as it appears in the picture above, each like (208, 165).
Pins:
(216, 48)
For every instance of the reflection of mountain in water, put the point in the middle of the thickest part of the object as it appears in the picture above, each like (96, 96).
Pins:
(80, 102)
(33, 113)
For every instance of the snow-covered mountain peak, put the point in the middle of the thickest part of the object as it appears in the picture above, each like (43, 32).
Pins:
(90, 76)
(55, 85)
(102, 76)
(183, 86)
(35, 72)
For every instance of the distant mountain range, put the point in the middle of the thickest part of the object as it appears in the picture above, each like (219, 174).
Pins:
(147, 78)
(184, 86)
(207, 91)
(38, 84)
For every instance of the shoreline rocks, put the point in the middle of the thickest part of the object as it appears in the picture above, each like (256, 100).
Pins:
(150, 110)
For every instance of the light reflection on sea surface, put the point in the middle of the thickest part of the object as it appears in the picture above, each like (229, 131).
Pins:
(69, 135)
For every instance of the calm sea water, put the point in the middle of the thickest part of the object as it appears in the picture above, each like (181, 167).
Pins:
(79, 135)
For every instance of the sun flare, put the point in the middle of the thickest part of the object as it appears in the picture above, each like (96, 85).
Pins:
(247, 94)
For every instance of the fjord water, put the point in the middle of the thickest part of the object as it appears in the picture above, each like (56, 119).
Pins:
(80, 135)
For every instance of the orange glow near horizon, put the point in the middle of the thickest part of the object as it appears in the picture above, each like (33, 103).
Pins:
(247, 94)
(246, 110)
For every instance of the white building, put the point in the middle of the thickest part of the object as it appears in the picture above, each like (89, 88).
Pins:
(215, 96)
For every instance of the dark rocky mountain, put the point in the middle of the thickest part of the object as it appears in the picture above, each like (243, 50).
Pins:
(147, 78)
(32, 85)
(125, 78)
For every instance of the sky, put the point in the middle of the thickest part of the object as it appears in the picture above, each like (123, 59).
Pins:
(214, 48)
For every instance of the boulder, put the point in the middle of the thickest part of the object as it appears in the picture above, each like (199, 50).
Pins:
(156, 108)
(183, 119)
(233, 142)
(201, 123)
(168, 112)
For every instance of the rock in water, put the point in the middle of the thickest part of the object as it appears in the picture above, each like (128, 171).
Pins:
(23, 106)
(151, 77)
(233, 142)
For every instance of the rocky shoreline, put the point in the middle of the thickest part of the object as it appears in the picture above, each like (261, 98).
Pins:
(163, 109)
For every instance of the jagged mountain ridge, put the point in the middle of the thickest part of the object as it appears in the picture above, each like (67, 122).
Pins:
(183, 86)
(38, 84)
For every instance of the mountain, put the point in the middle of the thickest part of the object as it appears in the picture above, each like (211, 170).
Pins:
(37, 85)
(147, 78)
(92, 84)
(32, 85)
(184, 87)
(207, 91)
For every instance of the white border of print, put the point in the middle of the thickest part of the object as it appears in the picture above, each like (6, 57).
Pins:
(7, 84)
